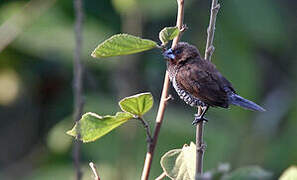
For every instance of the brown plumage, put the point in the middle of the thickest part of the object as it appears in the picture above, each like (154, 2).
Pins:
(198, 82)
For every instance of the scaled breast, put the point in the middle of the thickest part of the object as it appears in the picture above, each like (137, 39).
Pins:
(184, 95)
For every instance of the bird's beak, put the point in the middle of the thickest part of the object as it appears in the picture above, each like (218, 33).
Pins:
(169, 54)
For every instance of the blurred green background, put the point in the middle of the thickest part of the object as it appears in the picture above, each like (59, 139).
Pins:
(255, 49)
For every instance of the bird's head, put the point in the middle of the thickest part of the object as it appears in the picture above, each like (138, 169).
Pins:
(181, 53)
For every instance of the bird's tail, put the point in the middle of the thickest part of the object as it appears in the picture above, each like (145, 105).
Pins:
(240, 101)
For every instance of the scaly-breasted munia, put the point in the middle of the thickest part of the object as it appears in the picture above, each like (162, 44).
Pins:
(199, 83)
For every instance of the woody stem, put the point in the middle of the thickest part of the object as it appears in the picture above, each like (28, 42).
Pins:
(163, 101)
(200, 146)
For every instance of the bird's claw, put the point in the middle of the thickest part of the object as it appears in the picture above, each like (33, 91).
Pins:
(198, 119)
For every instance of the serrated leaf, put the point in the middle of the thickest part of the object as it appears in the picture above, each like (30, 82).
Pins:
(289, 174)
(93, 126)
(167, 34)
(179, 164)
(138, 104)
(249, 173)
(122, 44)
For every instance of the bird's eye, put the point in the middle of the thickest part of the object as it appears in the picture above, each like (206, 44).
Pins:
(177, 51)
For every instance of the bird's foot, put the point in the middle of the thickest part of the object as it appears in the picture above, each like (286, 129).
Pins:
(198, 119)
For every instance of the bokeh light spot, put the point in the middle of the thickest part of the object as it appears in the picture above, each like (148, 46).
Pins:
(9, 86)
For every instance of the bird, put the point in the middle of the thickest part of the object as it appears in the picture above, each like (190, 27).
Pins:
(198, 82)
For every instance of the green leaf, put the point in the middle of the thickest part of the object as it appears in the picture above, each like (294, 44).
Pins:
(249, 173)
(179, 164)
(138, 104)
(122, 44)
(93, 126)
(289, 174)
(167, 34)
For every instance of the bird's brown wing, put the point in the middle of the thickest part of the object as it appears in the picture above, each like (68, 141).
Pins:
(203, 80)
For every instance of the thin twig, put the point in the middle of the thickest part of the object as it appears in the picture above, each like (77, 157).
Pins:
(200, 146)
(147, 130)
(164, 96)
(169, 97)
(159, 120)
(162, 176)
(95, 172)
(179, 21)
(77, 83)
(209, 49)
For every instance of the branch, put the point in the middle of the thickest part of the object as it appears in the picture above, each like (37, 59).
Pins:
(179, 21)
(95, 172)
(162, 176)
(77, 83)
(162, 106)
(209, 49)
(147, 130)
(200, 146)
